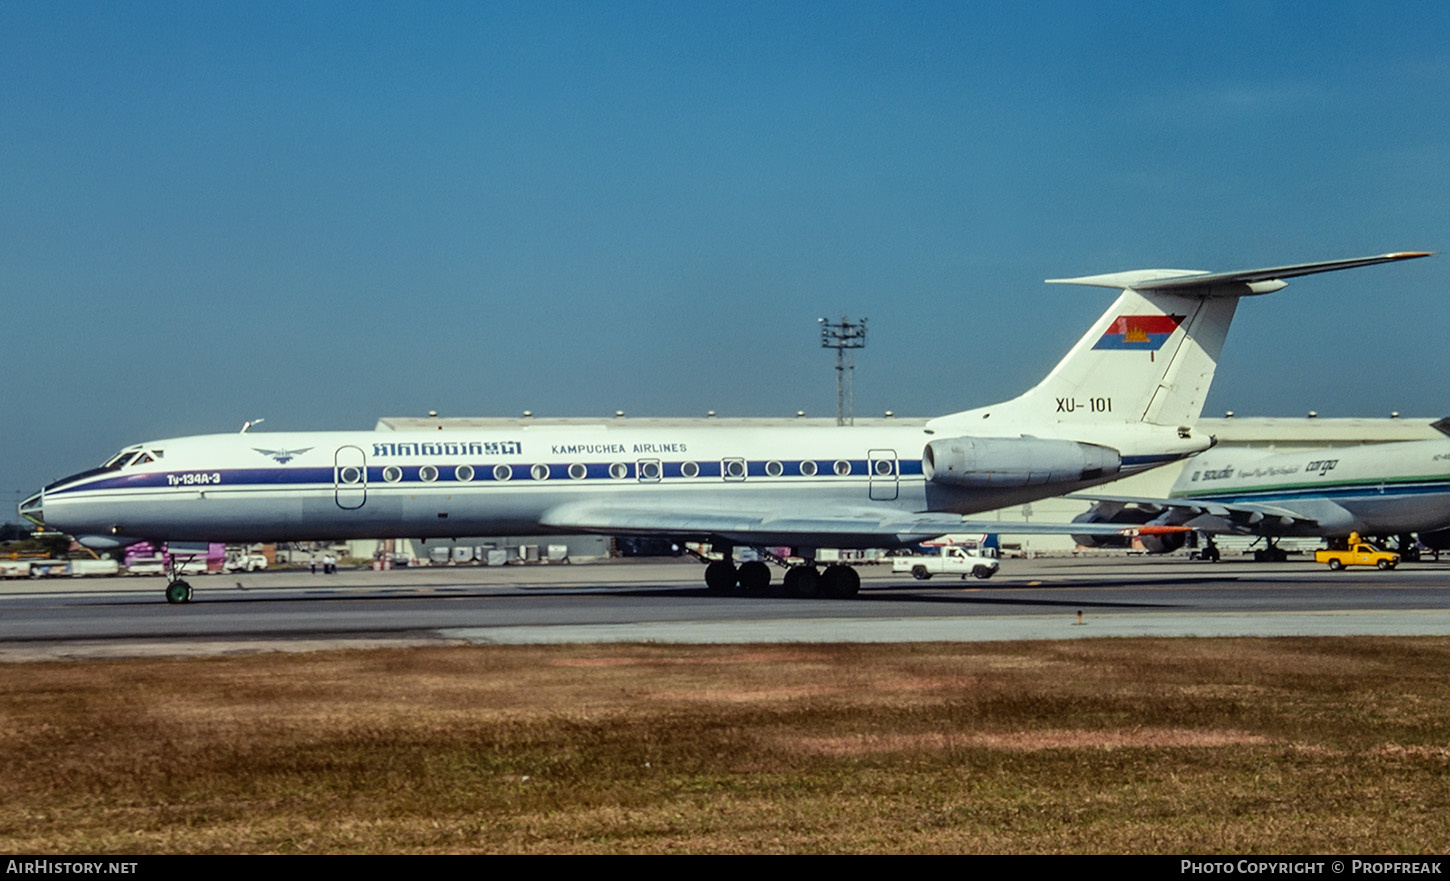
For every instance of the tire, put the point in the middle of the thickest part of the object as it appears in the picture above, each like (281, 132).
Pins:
(178, 592)
(803, 582)
(721, 577)
(754, 577)
(981, 572)
(1383, 565)
(1335, 565)
(920, 573)
(840, 582)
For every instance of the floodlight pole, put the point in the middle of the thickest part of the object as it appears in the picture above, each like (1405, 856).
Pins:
(845, 337)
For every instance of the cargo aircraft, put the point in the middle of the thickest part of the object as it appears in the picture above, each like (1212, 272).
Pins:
(1124, 399)
(1391, 489)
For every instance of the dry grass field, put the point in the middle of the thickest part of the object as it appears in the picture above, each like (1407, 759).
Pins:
(1118, 746)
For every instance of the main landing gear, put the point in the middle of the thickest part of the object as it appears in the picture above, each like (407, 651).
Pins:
(1209, 552)
(1270, 553)
(753, 578)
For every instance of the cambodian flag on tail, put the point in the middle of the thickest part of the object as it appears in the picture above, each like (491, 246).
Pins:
(1146, 333)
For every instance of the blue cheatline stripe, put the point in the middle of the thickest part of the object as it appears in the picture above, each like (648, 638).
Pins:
(1155, 459)
(484, 473)
(202, 479)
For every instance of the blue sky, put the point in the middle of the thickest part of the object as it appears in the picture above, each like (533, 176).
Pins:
(323, 213)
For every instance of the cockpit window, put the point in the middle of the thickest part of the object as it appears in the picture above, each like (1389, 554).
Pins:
(120, 459)
(117, 460)
(130, 456)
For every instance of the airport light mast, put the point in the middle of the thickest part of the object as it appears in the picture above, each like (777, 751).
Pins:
(845, 337)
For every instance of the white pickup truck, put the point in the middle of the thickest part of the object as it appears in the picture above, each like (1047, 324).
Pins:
(949, 560)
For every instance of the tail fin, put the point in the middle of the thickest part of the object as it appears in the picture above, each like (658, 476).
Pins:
(1149, 358)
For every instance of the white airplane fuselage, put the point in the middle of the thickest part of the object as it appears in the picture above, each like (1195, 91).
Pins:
(505, 481)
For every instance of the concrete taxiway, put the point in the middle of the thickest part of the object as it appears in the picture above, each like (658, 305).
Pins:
(664, 601)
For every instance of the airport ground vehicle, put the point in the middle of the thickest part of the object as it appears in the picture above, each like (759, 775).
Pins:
(1359, 553)
(245, 563)
(949, 560)
(157, 565)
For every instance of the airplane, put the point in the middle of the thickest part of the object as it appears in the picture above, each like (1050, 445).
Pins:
(1391, 489)
(1123, 399)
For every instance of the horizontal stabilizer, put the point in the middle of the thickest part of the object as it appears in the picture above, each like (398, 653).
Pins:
(1230, 284)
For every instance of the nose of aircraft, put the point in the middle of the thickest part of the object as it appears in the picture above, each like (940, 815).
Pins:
(32, 508)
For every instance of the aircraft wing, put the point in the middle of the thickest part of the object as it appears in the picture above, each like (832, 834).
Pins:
(1209, 515)
(861, 528)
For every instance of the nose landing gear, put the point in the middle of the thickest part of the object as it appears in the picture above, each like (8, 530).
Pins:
(177, 591)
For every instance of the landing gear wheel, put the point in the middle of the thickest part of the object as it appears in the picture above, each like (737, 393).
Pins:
(920, 573)
(1335, 565)
(840, 582)
(754, 577)
(178, 592)
(802, 581)
(720, 576)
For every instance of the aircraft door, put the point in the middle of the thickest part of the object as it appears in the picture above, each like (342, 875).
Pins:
(885, 474)
(350, 477)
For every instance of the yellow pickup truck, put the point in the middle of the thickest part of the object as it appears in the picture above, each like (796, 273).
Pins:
(1359, 553)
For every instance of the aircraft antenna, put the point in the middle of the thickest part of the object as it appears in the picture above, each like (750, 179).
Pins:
(845, 336)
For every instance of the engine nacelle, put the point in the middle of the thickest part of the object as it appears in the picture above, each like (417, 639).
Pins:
(997, 462)
(1163, 542)
(1439, 540)
(1124, 516)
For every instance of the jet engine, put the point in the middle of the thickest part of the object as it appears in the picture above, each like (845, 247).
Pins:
(1165, 542)
(1125, 516)
(1154, 535)
(1439, 540)
(996, 462)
